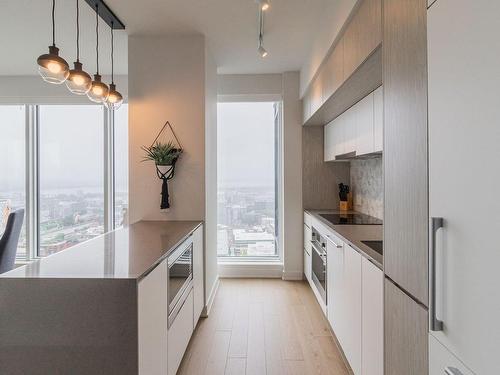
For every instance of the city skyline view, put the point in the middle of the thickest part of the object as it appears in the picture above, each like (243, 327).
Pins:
(71, 173)
(246, 196)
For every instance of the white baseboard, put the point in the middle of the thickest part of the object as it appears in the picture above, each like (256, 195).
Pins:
(211, 298)
(293, 275)
(251, 270)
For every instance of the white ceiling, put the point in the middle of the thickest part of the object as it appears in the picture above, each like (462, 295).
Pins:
(230, 27)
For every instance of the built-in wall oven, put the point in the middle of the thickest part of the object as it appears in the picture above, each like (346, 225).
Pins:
(180, 277)
(318, 260)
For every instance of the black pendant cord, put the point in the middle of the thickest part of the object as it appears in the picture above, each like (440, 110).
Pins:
(53, 23)
(97, 34)
(77, 31)
(112, 55)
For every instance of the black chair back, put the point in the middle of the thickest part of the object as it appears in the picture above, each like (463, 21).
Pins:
(9, 240)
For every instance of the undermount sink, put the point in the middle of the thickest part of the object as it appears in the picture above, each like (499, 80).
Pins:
(377, 246)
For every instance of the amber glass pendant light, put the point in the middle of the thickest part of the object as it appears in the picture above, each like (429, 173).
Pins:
(99, 91)
(53, 68)
(115, 99)
(79, 81)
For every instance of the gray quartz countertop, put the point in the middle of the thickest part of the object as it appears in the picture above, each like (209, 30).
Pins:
(126, 253)
(354, 234)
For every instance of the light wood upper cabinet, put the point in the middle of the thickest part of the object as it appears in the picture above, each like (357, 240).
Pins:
(363, 35)
(334, 71)
(406, 201)
(361, 38)
(317, 93)
(378, 119)
(306, 106)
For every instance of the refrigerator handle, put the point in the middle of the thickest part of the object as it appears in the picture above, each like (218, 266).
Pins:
(452, 371)
(435, 324)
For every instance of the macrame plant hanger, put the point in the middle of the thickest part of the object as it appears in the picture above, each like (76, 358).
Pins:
(168, 171)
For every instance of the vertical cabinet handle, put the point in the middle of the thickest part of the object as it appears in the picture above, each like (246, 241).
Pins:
(452, 371)
(435, 324)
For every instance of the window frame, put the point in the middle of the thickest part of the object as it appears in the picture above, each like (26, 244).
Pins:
(32, 177)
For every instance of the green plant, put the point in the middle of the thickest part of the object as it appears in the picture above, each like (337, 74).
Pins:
(161, 153)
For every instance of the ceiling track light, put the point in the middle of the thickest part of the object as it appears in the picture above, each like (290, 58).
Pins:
(115, 99)
(79, 82)
(53, 68)
(262, 51)
(99, 91)
(263, 4)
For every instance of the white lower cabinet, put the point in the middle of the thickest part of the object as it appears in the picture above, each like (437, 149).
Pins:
(152, 321)
(307, 266)
(198, 296)
(179, 334)
(352, 348)
(372, 319)
(355, 306)
(441, 358)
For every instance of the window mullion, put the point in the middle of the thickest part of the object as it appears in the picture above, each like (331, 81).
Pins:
(108, 171)
(32, 181)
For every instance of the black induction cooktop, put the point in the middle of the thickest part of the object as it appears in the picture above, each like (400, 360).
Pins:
(351, 219)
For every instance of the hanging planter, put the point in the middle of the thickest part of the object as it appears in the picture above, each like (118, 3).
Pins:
(165, 156)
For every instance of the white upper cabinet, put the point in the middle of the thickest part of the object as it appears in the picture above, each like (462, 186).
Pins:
(359, 129)
(334, 139)
(378, 119)
(364, 126)
(348, 126)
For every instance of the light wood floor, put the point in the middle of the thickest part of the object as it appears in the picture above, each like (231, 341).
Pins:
(263, 327)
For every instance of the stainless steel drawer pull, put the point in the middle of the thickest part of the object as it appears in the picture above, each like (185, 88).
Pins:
(334, 243)
(452, 371)
(435, 324)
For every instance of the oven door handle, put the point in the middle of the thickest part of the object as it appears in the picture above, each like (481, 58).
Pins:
(322, 254)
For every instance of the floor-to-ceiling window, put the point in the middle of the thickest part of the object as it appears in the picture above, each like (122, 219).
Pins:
(247, 153)
(67, 166)
(121, 165)
(12, 166)
(71, 176)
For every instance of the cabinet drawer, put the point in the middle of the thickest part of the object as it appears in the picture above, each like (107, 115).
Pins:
(307, 266)
(307, 239)
(179, 334)
(307, 219)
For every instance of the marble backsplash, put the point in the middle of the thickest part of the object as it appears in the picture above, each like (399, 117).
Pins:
(367, 186)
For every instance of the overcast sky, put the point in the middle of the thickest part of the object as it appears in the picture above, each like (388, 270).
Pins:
(245, 142)
(71, 147)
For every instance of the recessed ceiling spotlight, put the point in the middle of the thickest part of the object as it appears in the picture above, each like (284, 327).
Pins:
(262, 51)
(263, 4)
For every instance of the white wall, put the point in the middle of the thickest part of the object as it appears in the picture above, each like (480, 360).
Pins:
(33, 90)
(292, 179)
(333, 17)
(167, 82)
(279, 87)
(211, 276)
(255, 87)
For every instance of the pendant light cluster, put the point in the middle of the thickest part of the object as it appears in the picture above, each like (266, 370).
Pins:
(263, 6)
(54, 69)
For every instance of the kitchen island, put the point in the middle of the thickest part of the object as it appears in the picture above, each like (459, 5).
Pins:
(100, 307)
